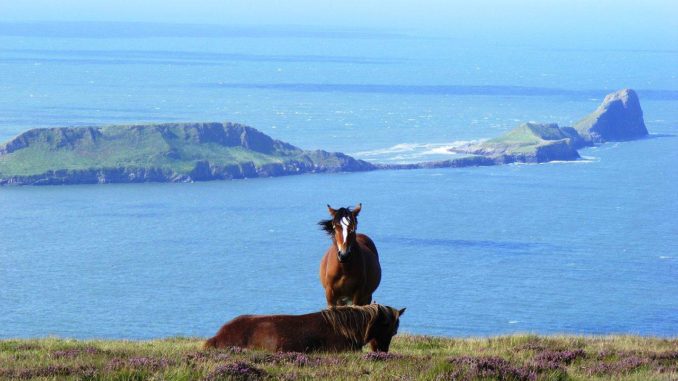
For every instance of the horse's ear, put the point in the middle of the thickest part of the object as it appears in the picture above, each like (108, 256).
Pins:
(356, 210)
(401, 312)
(332, 211)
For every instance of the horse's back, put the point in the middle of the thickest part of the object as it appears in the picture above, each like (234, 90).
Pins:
(268, 332)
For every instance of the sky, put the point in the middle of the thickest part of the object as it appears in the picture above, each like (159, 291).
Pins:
(653, 19)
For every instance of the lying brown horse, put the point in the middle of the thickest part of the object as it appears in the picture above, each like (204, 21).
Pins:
(350, 270)
(346, 328)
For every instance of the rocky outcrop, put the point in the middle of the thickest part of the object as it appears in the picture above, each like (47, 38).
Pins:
(461, 162)
(618, 118)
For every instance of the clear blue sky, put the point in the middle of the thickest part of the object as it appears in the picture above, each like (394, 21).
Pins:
(651, 18)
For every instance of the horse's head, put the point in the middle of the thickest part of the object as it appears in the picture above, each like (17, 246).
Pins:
(342, 227)
(383, 328)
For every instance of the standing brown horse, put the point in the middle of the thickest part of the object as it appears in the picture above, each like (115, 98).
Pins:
(350, 270)
(346, 328)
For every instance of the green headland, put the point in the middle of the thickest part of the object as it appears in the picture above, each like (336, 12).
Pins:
(176, 152)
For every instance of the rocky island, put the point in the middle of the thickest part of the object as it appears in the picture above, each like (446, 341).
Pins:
(184, 152)
(618, 118)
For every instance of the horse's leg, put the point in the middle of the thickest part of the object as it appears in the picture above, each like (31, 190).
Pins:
(362, 299)
(331, 298)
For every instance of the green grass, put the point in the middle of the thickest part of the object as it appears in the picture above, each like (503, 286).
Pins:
(38, 159)
(519, 357)
(527, 137)
(123, 147)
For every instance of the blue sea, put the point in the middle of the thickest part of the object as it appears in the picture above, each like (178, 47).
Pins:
(585, 247)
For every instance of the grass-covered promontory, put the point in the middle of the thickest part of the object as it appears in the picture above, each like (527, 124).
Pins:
(158, 152)
(520, 357)
(529, 143)
(619, 117)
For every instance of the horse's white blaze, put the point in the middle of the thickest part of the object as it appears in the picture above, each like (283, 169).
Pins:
(344, 229)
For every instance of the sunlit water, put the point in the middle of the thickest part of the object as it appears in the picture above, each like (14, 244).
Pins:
(583, 247)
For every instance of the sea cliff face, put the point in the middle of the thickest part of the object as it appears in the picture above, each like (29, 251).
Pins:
(158, 153)
(618, 118)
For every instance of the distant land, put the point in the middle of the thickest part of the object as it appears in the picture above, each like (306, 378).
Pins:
(185, 152)
(618, 118)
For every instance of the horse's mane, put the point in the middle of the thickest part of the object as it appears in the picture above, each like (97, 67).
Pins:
(354, 322)
(326, 225)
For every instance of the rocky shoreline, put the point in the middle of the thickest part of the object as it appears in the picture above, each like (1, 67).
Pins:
(203, 171)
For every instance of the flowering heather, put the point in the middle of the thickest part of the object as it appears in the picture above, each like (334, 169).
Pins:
(66, 353)
(380, 356)
(665, 356)
(148, 363)
(469, 367)
(559, 357)
(238, 371)
(624, 365)
(296, 358)
(540, 367)
(74, 352)
(47, 371)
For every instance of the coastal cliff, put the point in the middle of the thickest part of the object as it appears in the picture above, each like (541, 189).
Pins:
(618, 118)
(179, 152)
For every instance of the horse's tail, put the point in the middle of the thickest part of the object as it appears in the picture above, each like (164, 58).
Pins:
(210, 343)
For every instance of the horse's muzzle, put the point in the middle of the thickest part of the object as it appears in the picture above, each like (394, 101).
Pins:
(343, 257)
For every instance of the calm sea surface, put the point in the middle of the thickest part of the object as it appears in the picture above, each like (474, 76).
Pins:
(583, 247)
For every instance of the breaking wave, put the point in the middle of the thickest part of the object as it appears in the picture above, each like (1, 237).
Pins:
(413, 152)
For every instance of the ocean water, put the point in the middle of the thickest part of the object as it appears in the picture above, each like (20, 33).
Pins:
(579, 247)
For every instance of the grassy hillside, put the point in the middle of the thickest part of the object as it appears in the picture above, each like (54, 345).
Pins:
(157, 152)
(528, 143)
(175, 147)
(528, 137)
(523, 357)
